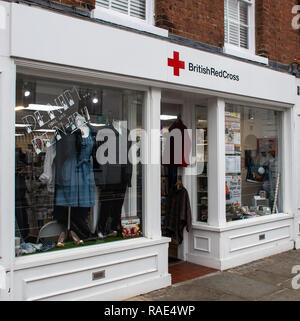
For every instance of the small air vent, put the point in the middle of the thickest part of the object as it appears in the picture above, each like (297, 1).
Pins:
(98, 275)
(262, 237)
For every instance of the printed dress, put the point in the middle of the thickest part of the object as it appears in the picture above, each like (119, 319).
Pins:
(76, 186)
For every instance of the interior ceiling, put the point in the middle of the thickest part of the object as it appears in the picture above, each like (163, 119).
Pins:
(174, 95)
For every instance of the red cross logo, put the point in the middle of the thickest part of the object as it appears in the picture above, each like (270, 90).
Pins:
(176, 63)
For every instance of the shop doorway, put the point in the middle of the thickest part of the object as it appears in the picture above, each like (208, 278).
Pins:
(176, 107)
(170, 175)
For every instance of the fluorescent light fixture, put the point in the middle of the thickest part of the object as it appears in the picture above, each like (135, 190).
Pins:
(22, 125)
(167, 117)
(43, 107)
(97, 125)
(19, 108)
(45, 130)
(19, 135)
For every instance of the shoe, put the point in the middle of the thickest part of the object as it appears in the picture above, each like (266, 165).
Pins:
(112, 234)
(75, 238)
(61, 239)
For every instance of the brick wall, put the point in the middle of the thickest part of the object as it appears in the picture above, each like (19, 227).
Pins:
(275, 37)
(82, 4)
(203, 20)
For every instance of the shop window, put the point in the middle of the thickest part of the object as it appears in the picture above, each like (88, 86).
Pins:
(76, 183)
(202, 162)
(253, 162)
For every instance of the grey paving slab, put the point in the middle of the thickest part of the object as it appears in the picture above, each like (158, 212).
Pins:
(186, 292)
(283, 295)
(280, 267)
(268, 277)
(229, 297)
(237, 285)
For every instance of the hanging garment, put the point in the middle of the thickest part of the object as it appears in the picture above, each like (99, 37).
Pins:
(112, 201)
(74, 177)
(48, 175)
(170, 157)
(178, 213)
(120, 172)
(112, 179)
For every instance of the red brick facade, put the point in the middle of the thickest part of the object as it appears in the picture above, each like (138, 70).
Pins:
(203, 20)
(82, 4)
(275, 37)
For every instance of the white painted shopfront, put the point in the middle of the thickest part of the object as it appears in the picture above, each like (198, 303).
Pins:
(44, 43)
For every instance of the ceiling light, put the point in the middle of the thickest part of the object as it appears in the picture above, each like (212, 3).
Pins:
(167, 117)
(43, 107)
(95, 100)
(19, 108)
(26, 93)
(97, 125)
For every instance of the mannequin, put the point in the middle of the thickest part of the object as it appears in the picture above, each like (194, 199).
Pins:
(74, 181)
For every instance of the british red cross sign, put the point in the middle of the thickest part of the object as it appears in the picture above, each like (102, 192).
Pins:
(176, 63)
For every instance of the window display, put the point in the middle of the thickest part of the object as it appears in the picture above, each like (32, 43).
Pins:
(252, 155)
(75, 181)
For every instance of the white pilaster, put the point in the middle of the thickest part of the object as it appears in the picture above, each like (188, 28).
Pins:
(7, 168)
(216, 162)
(152, 187)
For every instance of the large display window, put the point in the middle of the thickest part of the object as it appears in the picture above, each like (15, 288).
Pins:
(253, 162)
(78, 179)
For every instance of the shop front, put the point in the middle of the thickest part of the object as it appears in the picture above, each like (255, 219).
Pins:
(85, 191)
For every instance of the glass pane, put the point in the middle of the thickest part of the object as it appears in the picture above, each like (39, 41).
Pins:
(75, 182)
(233, 10)
(233, 33)
(253, 140)
(243, 13)
(244, 37)
(138, 8)
(202, 162)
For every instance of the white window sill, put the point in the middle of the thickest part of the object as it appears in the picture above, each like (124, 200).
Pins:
(244, 53)
(127, 21)
(243, 222)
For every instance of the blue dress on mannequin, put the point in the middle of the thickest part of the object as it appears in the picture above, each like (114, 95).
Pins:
(77, 188)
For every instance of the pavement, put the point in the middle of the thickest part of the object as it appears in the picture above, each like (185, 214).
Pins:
(269, 279)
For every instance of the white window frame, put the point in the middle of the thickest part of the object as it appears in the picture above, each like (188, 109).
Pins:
(243, 52)
(126, 20)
